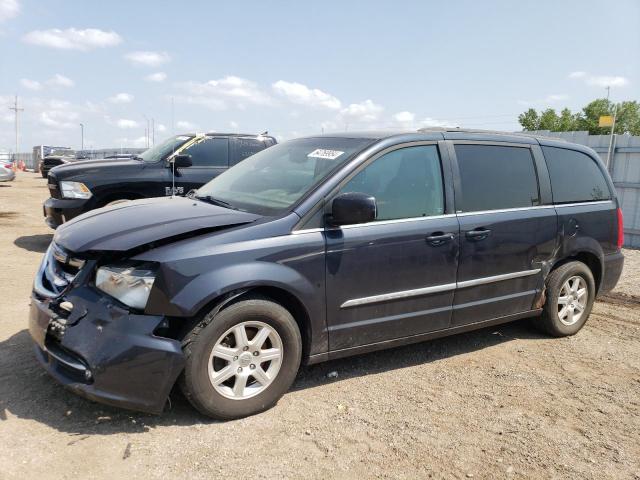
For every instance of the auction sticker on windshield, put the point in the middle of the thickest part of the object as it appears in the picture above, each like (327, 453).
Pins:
(326, 154)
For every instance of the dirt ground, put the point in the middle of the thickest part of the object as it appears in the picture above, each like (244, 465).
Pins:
(502, 402)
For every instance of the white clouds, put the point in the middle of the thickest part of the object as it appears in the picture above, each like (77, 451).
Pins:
(126, 123)
(601, 81)
(121, 98)
(217, 94)
(156, 77)
(429, 122)
(366, 111)
(147, 59)
(8, 9)
(556, 97)
(56, 81)
(303, 95)
(60, 81)
(73, 39)
(234, 125)
(31, 84)
(607, 81)
(185, 125)
(161, 128)
(60, 116)
(404, 117)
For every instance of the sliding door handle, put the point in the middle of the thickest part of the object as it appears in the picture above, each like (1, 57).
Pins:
(478, 234)
(438, 238)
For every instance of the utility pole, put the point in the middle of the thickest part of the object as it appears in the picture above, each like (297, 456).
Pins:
(81, 136)
(16, 110)
(608, 91)
(153, 132)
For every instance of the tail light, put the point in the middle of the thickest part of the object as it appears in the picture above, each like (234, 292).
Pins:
(620, 229)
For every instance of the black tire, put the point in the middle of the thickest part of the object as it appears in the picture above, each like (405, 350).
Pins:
(550, 321)
(199, 342)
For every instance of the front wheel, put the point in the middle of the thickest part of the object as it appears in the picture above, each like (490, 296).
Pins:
(241, 360)
(570, 296)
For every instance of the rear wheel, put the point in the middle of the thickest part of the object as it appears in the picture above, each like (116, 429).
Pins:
(570, 297)
(241, 360)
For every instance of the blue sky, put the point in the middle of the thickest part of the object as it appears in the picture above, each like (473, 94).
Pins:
(296, 68)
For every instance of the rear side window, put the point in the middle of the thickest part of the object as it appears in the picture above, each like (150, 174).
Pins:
(575, 176)
(242, 148)
(495, 177)
(211, 152)
(406, 183)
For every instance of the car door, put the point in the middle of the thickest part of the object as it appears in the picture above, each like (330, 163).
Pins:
(393, 277)
(508, 229)
(209, 158)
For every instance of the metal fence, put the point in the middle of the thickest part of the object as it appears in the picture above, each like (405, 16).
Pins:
(624, 168)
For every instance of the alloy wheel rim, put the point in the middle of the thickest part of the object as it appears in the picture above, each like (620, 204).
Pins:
(572, 300)
(245, 360)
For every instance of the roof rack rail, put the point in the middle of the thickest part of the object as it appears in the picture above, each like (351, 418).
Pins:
(487, 132)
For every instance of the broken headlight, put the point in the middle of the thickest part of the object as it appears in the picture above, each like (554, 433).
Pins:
(129, 284)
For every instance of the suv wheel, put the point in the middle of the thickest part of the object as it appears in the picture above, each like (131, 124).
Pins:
(570, 296)
(242, 360)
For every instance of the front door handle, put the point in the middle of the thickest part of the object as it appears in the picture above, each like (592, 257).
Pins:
(478, 234)
(438, 238)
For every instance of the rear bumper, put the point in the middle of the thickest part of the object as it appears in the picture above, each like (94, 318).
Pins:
(612, 271)
(104, 353)
(59, 210)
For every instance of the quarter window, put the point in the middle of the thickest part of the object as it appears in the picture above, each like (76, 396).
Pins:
(406, 183)
(495, 177)
(575, 177)
(210, 152)
(244, 147)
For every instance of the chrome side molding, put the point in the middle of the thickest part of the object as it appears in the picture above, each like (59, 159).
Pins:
(385, 297)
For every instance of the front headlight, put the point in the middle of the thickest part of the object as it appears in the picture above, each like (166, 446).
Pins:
(74, 190)
(131, 285)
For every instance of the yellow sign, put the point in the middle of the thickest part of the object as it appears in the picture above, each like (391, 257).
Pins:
(605, 121)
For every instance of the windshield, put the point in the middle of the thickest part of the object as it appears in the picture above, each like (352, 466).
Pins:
(272, 180)
(163, 149)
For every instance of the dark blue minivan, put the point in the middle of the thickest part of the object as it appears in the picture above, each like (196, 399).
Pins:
(319, 248)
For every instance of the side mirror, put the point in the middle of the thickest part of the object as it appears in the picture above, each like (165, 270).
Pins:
(352, 208)
(182, 161)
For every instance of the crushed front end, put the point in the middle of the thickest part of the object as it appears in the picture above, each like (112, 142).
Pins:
(95, 345)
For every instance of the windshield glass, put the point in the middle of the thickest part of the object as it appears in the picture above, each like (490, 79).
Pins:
(163, 149)
(272, 180)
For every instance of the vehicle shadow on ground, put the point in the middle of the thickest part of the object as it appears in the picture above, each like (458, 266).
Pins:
(34, 243)
(27, 392)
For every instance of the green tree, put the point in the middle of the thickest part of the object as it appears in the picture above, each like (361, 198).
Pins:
(627, 118)
(530, 120)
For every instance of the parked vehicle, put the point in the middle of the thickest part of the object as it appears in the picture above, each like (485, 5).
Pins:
(54, 160)
(42, 151)
(81, 187)
(6, 171)
(320, 248)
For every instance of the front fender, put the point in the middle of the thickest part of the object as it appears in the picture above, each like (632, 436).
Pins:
(295, 264)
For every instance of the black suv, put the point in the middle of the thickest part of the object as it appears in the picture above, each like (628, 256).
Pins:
(79, 187)
(319, 248)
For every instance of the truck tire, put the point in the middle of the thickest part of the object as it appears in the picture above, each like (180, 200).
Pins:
(241, 360)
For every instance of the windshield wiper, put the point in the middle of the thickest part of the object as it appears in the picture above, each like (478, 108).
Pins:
(216, 201)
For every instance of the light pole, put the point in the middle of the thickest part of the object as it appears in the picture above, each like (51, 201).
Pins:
(81, 136)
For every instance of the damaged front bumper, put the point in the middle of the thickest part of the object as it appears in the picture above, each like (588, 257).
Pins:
(103, 352)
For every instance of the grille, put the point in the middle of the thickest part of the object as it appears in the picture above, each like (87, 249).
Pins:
(57, 270)
(52, 162)
(52, 183)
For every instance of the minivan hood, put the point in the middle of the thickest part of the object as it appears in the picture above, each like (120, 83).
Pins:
(133, 224)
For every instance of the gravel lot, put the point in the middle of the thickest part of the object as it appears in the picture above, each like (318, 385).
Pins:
(502, 402)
